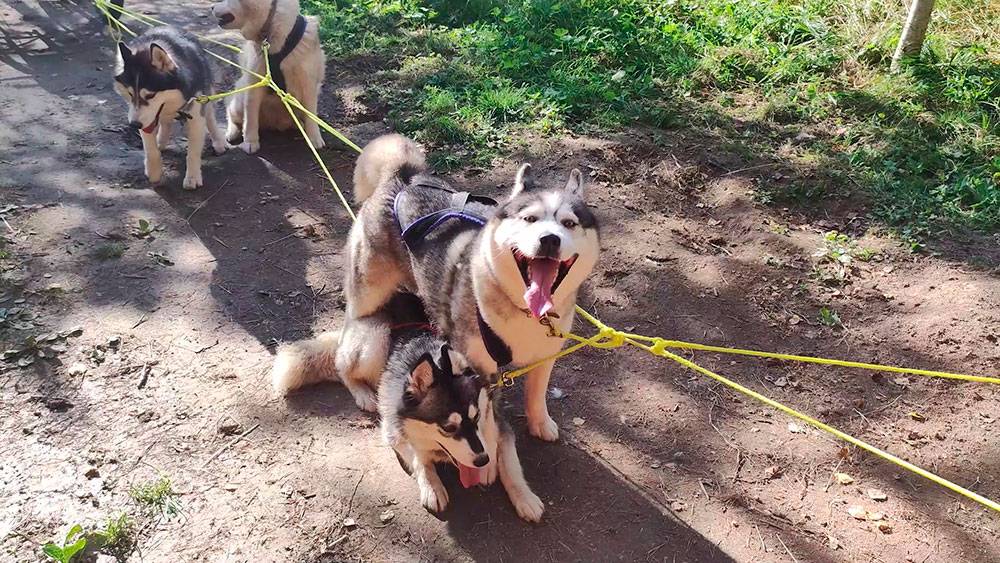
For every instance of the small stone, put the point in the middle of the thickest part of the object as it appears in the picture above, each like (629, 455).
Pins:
(229, 428)
(795, 428)
(92, 473)
(857, 512)
(884, 527)
(577, 421)
(77, 369)
(877, 495)
(386, 516)
(350, 523)
(843, 478)
(678, 506)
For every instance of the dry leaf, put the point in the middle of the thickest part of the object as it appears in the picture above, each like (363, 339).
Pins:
(857, 512)
(795, 428)
(917, 416)
(876, 516)
(877, 494)
(387, 516)
(772, 472)
(578, 421)
(884, 527)
(843, 478)
(901, 381)
(833, 543)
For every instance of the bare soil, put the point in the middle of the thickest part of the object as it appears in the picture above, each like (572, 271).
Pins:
(179, 333)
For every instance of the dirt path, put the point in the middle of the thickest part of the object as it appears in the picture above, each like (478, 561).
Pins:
(667, 466)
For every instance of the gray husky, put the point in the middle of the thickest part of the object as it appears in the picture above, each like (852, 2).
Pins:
(486, 274)
(158, 74)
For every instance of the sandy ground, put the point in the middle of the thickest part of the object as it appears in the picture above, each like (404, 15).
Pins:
(173, 357)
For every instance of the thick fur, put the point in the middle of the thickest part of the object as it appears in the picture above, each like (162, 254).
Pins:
(451, 416)
(304, 68)
(157, 74)
(459, 268)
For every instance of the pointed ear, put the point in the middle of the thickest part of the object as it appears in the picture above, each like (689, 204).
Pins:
(444, 360)
(575, 183)
(124, 56)
(523, 180)
(161, 59)
(421, 377)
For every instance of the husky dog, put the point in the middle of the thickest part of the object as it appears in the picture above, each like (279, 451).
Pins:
(158, 74)
(485, 286)
(434, 407)
(296, 60)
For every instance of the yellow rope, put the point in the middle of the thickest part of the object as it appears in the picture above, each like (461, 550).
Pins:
(606, 337)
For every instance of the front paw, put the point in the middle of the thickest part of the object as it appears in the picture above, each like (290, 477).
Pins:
(154, 174)
(220, 148)
(365, 398)
(250, 147)
(192, 180)
(492, 472)
(528, 505)
(317, 141)
(434, 497)
(233, 133)
(543, 428)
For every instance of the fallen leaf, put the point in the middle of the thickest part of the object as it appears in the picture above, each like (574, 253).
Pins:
(884, 527)
(876, 516)
(917, 416)
(772, 472)
(901, 381)
(795, 428)
(833, 543)
(578, 421)
(843, 478)
(678, 506)
(387, 516)
(857, 512)
(877, 495)
(781, 381)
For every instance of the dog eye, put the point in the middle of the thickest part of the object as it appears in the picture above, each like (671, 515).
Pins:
(530, 219)
(568, 223)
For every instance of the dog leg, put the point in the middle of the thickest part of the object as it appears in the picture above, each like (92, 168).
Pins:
(234, 116)
(196, 142)
(540, 424)
(151, 158)
(526, 503)
(310, 99)
(433, 495)
(219, 144)
(251, 120)
(361, 358)
(371, 279)
(163, 134)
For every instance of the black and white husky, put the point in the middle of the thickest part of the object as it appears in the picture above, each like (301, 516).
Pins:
(158, 74)
(434, 407)
(485, 282)
(297, 65)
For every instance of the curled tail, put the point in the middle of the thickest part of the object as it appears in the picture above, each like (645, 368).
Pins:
(305, 362)
(384, 158)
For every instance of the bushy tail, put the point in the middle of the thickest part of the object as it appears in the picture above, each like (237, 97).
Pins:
(382, 159)
(305, 362)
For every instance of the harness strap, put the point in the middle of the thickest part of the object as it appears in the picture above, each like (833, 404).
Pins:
(495, 346)
(274, 59)
(418, 230)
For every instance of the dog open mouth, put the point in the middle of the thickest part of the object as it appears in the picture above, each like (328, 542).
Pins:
(469, 476)
(542, 277)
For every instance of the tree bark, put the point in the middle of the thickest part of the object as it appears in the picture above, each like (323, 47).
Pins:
(912, 38)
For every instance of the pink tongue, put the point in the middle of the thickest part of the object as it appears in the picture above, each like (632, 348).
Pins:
(542, 274)
(469, 476)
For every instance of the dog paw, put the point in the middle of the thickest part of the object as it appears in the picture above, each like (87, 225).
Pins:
(528, 506)
(220, 148)
(154, 176)
(492, 472)
(365, 399)
(544, 429)
(317, 141)
(234, 134)
(192, 181)
(434, 497)
(249, 147)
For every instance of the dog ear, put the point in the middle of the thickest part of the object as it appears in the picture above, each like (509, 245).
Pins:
(575, 184)
(124, 51)
(421, 377)
(524, 180)
(444, 360)
(161, 59)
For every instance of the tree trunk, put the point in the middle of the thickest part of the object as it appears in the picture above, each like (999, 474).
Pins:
(912, 38)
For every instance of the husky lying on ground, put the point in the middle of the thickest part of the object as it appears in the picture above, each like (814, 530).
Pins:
(297, 66)
(157, 74)
(485, 274)
(434, 408)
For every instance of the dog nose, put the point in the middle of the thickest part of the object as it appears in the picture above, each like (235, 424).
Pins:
(548, 246)
(481, 460)
(135, 124)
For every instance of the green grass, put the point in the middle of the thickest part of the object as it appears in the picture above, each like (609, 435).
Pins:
(477, 77)
(156, 497)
